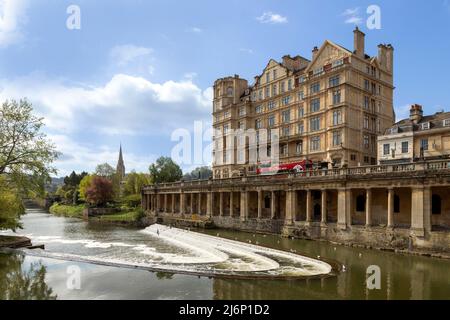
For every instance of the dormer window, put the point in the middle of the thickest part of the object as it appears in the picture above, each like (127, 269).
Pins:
(425, 126)
(447, 123)
(394, 130)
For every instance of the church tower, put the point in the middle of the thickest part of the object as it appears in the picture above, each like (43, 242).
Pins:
(120, 169)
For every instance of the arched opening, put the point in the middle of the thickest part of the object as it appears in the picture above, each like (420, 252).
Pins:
(436, 204)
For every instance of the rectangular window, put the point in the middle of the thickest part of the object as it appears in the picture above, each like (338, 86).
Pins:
(286, 116)
(315, 124)
(284, 149)
(300, 128)
(386, 149)
(242, 111)
(366, 142)
(447, 123)
(337, 117)
(366, 122)
(283, 89)
(285, 101)
(301, 95)
(267, 77)
(336, 96)
(286, 131)
(366, 84)
(241, 125)
(227, 114)
(290, 84)
(334, 81)
(271, 105)
(405, 147)
(267, 93)
(337, 138)
(258, 124)
(366, 103)
(226, 128)
(315, 105)
(426, 126)
(299, 148)
(424, 144)
(274, 90)
(315, 143)
(301, 112)
(258, 109)
(274, 74)
(271, 121)
(260, 94)
(315, 87)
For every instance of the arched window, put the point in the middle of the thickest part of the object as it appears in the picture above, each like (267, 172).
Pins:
(436, 204)
(230, 91)
(360, 203)
(396, 204)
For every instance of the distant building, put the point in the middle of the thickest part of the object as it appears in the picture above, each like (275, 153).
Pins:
(120, 169)
(416, 138)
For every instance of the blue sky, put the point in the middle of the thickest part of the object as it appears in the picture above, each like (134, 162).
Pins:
(137, 70)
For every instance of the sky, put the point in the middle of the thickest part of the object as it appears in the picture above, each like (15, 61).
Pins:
(139, 72)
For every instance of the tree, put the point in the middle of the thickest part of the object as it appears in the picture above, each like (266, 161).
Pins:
(100, 191)
(134, 182)
(200, 173)
(165, 170)
(105, 170)
(25, 152)
(26, 156)
(73, 180)
(84, 185)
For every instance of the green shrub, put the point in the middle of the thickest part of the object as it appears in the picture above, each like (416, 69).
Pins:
(67, 210)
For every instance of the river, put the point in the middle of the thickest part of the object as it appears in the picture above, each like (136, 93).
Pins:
(39, 275)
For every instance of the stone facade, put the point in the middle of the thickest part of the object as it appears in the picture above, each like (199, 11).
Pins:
(329, 109)
(390, 206)
(417, 138)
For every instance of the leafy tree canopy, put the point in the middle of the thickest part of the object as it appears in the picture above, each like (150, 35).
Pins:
(165, 170)
(105, 170)
(200, 173)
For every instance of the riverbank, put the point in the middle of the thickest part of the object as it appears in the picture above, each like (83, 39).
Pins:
(132, 217)
(14, 242)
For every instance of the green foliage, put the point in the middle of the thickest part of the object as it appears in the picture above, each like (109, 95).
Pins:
(132, 200)
(73, 180)
(84, 185)
(134, 182)
(165, 170)
(200, 173)
(25, 153)
(127, 217)
(105, 170)
(11, 208)
(67, 210)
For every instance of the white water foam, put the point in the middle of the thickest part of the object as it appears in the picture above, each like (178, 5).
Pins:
(177, 250)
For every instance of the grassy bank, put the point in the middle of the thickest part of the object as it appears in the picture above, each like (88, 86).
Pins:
(130, 216)
(67, 210)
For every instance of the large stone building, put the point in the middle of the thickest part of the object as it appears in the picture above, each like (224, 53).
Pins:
(327, 109)
(416, 138)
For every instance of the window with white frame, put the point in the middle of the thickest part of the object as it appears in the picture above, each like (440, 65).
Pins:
(315, 143)
(315, 124)
(337, 138)
(337, 117)
(286, 116)
(315, 105)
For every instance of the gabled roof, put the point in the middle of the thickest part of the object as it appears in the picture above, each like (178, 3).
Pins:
(324, 45)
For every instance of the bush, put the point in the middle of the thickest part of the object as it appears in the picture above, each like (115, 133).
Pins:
(67, 210)
(132, 201)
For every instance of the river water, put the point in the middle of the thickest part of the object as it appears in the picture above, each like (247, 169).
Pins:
(69, 267)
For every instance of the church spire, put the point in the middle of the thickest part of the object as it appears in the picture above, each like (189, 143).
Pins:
(120, 169)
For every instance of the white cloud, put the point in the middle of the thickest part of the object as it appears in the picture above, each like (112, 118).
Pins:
(352, 16)
(246, 50)
(12, 17)
(194, 30)
(85, 157)
(124, 54)
(125, 105)
(272, 18)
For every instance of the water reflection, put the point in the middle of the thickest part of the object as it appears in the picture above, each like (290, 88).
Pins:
(19, 281)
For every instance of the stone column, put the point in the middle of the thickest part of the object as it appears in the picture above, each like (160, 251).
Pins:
(390, 210)
(199, 205)
(231, 204)
(244, 205)
(273, 206)
(165, 203)
(344, 208)
(420, 211)
(182, 203)
(191, 207)
(324, 207)
(368, 207)
(157, 203)
(209, 204)
(260, 203)
(308, 206)
(290, 206)
(173, 203)
(221, 204)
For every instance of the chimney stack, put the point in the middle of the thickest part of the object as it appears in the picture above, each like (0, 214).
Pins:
(416, 113)
(359, 43)
(314, 52)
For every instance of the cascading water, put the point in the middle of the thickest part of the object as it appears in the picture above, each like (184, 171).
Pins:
(163, 248)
